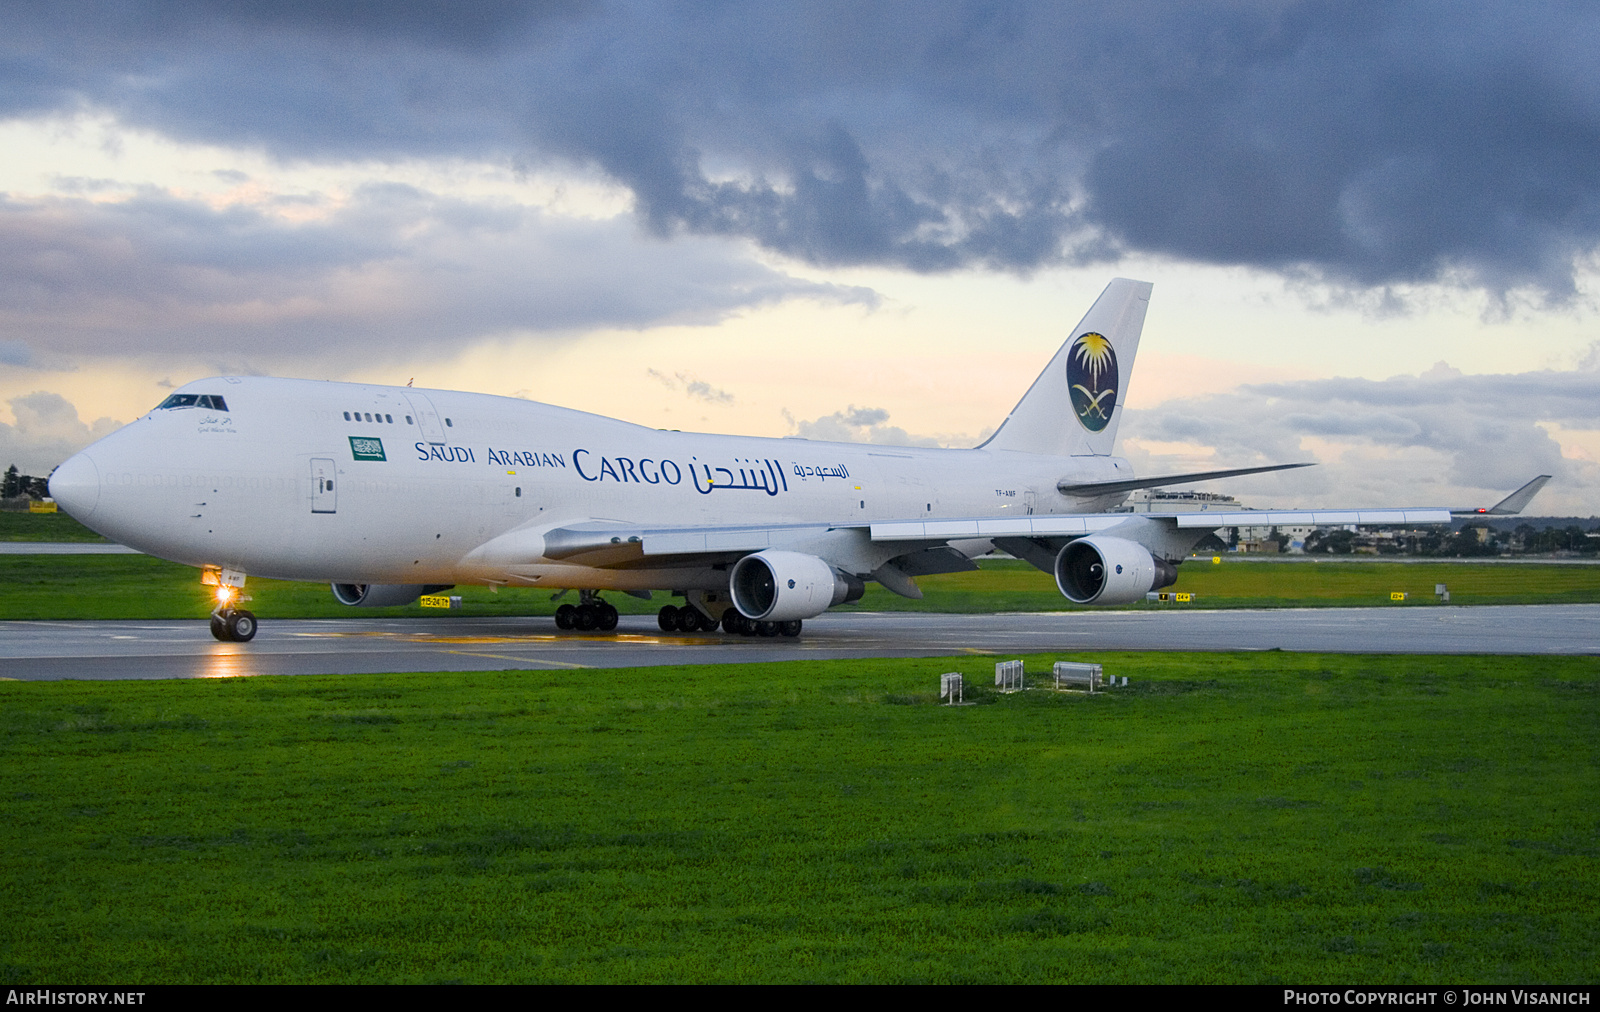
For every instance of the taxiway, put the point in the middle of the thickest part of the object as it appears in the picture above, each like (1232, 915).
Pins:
(133, 650)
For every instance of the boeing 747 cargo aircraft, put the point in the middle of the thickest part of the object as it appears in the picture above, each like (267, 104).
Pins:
(388, 493)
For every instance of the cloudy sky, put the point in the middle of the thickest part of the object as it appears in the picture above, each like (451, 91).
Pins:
(1372, 229)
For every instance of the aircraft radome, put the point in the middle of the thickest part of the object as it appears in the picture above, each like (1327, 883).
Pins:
(389, 493)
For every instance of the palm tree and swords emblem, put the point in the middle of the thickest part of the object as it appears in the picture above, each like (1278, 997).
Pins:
(1092, 378)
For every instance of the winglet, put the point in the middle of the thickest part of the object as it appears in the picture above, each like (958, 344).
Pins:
(1512, 504)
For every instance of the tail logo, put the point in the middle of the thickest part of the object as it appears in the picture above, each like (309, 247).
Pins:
(1092, 378)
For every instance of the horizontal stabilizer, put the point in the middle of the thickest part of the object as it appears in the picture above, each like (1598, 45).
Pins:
(1088, 488)
(1512, 504)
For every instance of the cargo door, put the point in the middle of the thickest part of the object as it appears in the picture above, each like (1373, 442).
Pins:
(324, 496)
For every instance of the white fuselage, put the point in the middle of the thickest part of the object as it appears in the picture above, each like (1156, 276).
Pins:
(282, 485)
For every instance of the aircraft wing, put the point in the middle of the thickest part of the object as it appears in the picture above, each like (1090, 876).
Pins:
(1082, 524)
(1512, 504)
(1037, 539)
(894, 552)
(611, 543)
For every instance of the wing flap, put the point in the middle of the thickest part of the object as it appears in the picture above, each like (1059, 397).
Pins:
(996, 527)
(1309, 518)
(701, 542)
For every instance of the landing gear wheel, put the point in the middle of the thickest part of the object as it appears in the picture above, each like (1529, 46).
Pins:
(766, 629)
(606, 620)
(565, 616)
(219, 629)
(789, 628)
(667, 618)
(584, 618)
(733, 623)
(241, 626)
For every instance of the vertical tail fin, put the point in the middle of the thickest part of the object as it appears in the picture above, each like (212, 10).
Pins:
(1074, 406)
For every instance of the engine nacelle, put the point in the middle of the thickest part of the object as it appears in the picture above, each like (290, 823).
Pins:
(1107, 570)
(383, 595)
(776, 586)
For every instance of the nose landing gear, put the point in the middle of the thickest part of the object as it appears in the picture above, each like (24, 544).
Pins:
(235, 625)
(229, 624)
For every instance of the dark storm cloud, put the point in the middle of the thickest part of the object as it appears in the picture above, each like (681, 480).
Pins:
(394, 267)
(1366, 144)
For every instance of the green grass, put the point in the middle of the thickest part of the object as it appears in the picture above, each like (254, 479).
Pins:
(1005, 585)
(1264, 817)
(140, 587)
(20, 525)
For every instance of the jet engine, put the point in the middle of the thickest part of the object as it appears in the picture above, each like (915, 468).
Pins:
(774, 586)
(383, 595)
(1107, 570)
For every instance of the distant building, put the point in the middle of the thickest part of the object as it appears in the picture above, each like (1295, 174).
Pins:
(1150, 500)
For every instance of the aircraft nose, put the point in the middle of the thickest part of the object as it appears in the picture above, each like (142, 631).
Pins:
(75, 486)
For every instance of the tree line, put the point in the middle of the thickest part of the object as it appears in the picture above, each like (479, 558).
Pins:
(1466, 542)
(23, 486)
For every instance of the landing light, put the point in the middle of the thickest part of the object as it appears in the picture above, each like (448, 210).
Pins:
(225, 594)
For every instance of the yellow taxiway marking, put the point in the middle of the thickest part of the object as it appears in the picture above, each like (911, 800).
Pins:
(532, 638)
(627, 638)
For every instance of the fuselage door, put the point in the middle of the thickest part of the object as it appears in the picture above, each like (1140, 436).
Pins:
(324, 496)
(427, 419)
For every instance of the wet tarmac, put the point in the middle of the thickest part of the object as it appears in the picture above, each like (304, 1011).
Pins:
(133, 650)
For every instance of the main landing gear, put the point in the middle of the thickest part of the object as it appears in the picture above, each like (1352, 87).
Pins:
(589, 614)
(690, 619)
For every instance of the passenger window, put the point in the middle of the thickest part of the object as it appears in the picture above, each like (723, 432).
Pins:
(347, 416)
(409, 421)
(450, 423)
(389, 419)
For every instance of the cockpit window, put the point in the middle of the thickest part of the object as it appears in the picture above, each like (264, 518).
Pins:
(212, 401)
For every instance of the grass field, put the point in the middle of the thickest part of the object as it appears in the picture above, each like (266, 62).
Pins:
(18, 525)
(140, 587)
(1265, 817)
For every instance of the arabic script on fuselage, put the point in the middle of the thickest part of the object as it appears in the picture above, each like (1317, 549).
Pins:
(736, 474)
